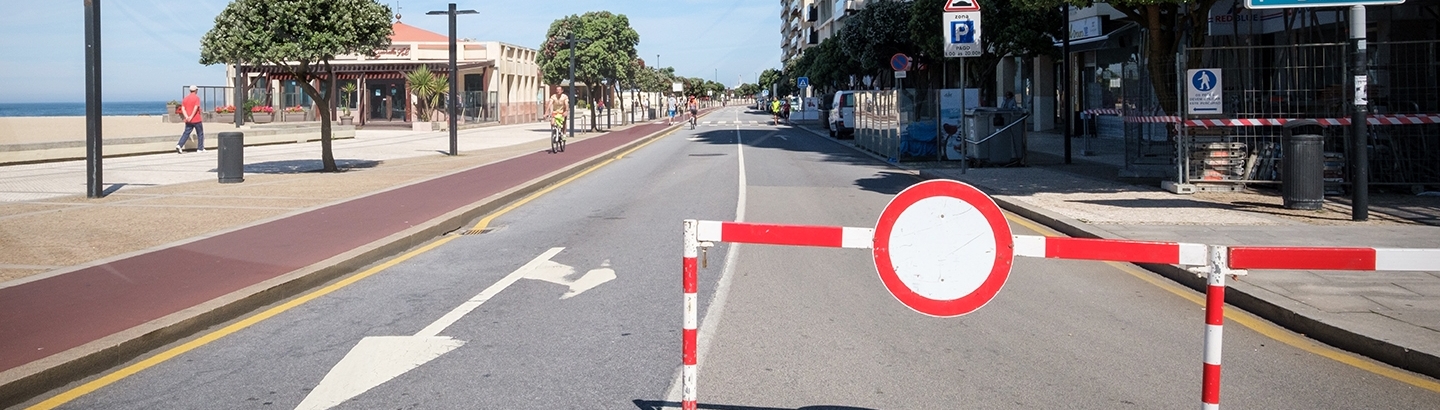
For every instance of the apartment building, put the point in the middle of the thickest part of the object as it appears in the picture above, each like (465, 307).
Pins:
(805, 23)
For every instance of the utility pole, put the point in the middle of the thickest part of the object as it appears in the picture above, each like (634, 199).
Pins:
(1360, 135)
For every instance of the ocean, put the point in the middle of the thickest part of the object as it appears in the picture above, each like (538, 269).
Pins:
(122, 108)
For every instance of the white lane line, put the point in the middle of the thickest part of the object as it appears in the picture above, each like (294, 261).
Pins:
(711, 320)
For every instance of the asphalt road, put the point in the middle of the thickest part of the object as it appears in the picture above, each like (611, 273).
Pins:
(781, 327)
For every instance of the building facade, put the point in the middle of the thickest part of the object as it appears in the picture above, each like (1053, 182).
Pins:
(498, 82)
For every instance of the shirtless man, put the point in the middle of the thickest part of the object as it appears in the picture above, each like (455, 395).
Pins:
(559, 108)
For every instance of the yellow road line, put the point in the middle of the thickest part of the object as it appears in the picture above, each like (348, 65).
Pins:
(152, 361)
(113, 377)
(485, 222)
(1259, 325)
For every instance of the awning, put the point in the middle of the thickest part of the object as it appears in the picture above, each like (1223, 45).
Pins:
(370, 70)
(1111, 39)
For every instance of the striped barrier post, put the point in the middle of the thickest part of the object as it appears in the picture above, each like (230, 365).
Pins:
(690, 329)
(1215, 273)
(1209, 261)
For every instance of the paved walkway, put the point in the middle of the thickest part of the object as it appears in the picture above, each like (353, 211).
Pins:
(1393, 317)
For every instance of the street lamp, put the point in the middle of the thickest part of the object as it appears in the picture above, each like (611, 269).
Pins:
(94, 180)
(570, 38)
(454, 81)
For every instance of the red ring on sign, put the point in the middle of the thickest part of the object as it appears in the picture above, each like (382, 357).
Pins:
(1004, 248)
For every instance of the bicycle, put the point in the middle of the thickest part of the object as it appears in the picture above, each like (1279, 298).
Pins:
(557, 135)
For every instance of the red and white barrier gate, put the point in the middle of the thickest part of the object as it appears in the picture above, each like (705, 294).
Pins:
(953, 219)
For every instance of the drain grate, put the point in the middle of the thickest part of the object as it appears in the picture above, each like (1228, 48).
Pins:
(478, 231)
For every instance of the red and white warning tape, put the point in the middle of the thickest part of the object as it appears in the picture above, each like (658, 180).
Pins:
(1400, 119)
(1102, 111)
(1275, 122)
(1215, 263)
(1162, 119)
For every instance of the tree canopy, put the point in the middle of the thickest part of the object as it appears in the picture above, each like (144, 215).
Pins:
(604, 50)
(1166, 23)
(300, 36)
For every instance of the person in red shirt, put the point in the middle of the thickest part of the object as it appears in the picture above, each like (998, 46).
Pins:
(190, 112)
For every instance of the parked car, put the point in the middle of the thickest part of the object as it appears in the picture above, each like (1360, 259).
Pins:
(842, 115)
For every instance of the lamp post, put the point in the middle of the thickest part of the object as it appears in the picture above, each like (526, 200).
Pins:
(94, 182)
(454, 99)
(571, 39)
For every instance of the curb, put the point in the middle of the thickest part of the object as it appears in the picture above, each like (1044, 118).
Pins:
(33, 379)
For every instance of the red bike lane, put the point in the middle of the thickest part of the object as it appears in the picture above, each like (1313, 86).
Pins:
(52, 315)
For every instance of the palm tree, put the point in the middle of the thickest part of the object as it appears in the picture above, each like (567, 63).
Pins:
(428, 87)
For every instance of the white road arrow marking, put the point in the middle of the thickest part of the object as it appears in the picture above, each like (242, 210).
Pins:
(557, 273)
(376, 360)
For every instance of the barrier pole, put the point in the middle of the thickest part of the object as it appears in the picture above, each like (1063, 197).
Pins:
(689, 334)
(1214, 330)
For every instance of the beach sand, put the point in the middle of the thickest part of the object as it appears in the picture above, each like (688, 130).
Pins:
(31, 130)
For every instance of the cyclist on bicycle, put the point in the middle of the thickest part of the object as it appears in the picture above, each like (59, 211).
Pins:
(559, 109)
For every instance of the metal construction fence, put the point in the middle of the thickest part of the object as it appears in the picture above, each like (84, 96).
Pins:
(1266, 86)
(877, 122)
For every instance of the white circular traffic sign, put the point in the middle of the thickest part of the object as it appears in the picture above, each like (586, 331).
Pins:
(943, 248)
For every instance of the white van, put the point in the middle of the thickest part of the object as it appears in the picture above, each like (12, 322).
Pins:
(842, 115)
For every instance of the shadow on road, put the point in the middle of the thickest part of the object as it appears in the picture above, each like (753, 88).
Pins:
(659, 405)
(797, 140)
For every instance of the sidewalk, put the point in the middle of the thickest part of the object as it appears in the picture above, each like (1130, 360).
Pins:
(86, 284)
(1393, 317)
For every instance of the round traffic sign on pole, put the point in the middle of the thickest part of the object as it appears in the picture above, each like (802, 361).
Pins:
(900, 62)
(943, 248)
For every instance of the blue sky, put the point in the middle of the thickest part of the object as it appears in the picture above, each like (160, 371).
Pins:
(150, 48)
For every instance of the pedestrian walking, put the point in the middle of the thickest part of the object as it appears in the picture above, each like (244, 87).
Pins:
(190, 112)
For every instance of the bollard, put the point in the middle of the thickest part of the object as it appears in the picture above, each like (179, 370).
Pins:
(231, 166)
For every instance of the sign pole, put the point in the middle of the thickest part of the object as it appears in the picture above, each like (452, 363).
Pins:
(964, 125)
(1359, 155)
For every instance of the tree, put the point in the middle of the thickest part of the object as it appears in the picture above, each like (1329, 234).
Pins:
(876, 33)
(748, 90)
(1168, 24)
(605, 50)
(1010, 29)
(770, 78)
(301, 37)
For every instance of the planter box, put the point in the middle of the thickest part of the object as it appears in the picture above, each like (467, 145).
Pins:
(294, 116)
(347, 120)
(261, 118)
(423, 126)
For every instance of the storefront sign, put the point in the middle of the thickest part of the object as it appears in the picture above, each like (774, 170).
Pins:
(1085, 28)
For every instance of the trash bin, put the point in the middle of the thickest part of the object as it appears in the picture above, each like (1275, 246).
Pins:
(231, 167)
(1302, 168)
(1002, 149)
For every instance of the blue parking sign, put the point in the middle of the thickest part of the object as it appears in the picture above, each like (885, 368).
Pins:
(962, 32)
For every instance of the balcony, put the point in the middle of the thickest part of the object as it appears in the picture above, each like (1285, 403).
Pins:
(812, 14)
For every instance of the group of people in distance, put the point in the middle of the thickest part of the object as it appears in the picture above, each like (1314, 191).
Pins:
(560, 107)
(780, 109)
